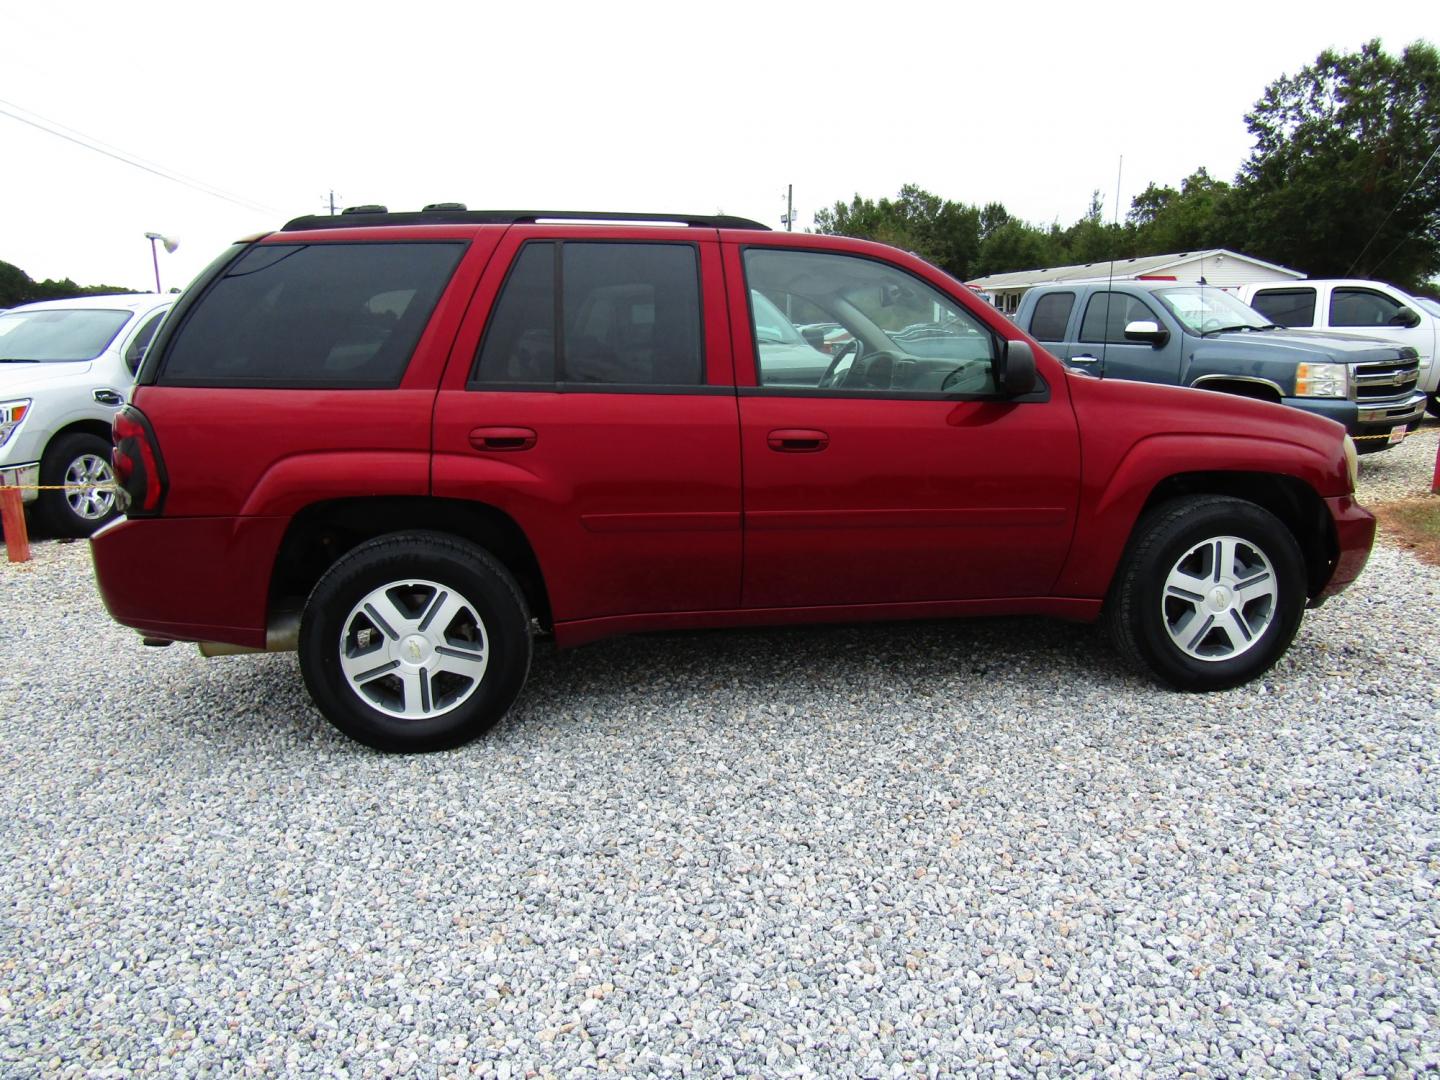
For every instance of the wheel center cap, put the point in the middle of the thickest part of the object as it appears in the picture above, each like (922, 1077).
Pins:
(1219, 598)
(415, 649)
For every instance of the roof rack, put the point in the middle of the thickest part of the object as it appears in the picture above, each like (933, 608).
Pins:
(359, 217)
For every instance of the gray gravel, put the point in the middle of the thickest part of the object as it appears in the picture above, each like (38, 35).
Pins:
(929, 850)
(1402, 472)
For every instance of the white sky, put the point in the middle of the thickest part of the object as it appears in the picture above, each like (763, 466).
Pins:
(622, 106)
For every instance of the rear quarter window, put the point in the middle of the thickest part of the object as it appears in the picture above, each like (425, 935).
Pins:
(1051, 316)
(333, 315)
(1286, 307)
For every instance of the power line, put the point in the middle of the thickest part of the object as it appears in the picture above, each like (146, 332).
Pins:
(55, 128)
(1398, 201)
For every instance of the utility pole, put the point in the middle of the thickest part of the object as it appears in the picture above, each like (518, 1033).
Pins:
(789, 218)
(332, 202)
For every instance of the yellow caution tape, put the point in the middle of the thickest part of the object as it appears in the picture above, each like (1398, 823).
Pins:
(58, 487)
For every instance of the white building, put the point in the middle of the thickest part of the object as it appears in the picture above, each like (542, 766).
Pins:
(1218, 266)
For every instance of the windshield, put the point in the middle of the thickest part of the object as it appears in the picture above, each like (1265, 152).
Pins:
(771, 326)
(58, 334)
(1203, 311)
(1426, 304)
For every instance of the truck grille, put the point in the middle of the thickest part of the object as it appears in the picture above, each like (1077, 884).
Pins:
(1387, 379)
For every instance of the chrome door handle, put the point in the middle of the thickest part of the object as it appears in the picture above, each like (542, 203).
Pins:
(1083, 358)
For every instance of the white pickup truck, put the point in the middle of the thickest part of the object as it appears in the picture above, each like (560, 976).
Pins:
(65, 367)
(1348, 306)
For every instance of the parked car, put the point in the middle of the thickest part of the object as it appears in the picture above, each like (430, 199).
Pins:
(406, 444)
(788, 355)
(1194, 335)
(65, 367)
(1371, 308)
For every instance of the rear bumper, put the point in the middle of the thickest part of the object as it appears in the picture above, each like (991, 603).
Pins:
(154, 578)
(1355, 534)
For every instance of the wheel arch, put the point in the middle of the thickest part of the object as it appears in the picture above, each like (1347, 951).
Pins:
(89, 426)
(1297, 505)
(1241, 386)
(324, 531)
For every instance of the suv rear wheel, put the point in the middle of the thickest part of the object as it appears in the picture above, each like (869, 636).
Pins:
(1210, 593)
(415, 641)
(78, 485)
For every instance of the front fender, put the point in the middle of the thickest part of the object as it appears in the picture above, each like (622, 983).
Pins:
(1114, 503)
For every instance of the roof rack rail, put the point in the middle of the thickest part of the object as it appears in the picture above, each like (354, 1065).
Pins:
(359, 217)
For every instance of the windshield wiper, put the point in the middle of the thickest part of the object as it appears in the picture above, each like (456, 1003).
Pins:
(17, 360)
(1227, 329)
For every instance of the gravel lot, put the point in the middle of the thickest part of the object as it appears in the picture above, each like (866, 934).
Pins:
(938, 849)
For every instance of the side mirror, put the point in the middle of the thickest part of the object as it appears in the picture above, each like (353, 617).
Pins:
(814, 336)
(1147, 330)
(1406, 318)
(1014, 369)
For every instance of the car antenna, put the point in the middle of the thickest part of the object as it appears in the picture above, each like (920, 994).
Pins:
(1110, 280)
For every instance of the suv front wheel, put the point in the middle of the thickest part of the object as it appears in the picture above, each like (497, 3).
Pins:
(77, 482)
(1209, 594)
(415, 641)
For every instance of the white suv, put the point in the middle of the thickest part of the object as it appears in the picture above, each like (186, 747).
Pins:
(65, 367)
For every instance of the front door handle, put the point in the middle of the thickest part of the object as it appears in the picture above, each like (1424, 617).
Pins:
(797, 440)
(502, 438)
(1084, 358)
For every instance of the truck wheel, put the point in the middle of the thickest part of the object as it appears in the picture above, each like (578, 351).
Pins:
(1209, 594)
(415, 641)
(1432, 404)
(81, 463)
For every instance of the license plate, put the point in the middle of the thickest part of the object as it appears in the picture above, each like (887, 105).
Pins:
(1397, 434)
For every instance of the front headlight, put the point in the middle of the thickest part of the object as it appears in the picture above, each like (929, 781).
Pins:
(11, 413)
(1322, 380)
(1352, 462)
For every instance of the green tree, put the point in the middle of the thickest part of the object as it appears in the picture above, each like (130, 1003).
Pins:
(940, 231)
(1328, 185)
(17, 287)
(1162, 220)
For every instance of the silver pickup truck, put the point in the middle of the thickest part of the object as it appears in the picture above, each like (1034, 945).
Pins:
(65, 367)
(1200, 336)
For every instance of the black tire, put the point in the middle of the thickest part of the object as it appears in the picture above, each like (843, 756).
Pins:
(414, 707)
(1161, 631)
(70, 457)
(1432, 404)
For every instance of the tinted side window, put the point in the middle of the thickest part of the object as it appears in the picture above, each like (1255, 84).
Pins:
(519, 342)
(135, 351)
(1107, 315)
(1286, 307)
(1361, 307)
(312, 315)
(630, 317)
(1051, 316)
(632, 314)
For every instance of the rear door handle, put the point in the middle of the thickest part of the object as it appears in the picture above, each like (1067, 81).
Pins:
(502, 438)
(1084, 358)
(797, 440)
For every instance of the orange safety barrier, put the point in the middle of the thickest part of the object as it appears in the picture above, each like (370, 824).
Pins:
(12, 516)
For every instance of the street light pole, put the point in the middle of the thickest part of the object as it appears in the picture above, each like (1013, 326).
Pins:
(170, 246)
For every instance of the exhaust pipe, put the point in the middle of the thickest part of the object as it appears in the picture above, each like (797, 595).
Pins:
(282, 635)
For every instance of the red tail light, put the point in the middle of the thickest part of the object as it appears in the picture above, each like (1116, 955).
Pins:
(139, 471)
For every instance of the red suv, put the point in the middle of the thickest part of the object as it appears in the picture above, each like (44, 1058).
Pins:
(408, 444)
